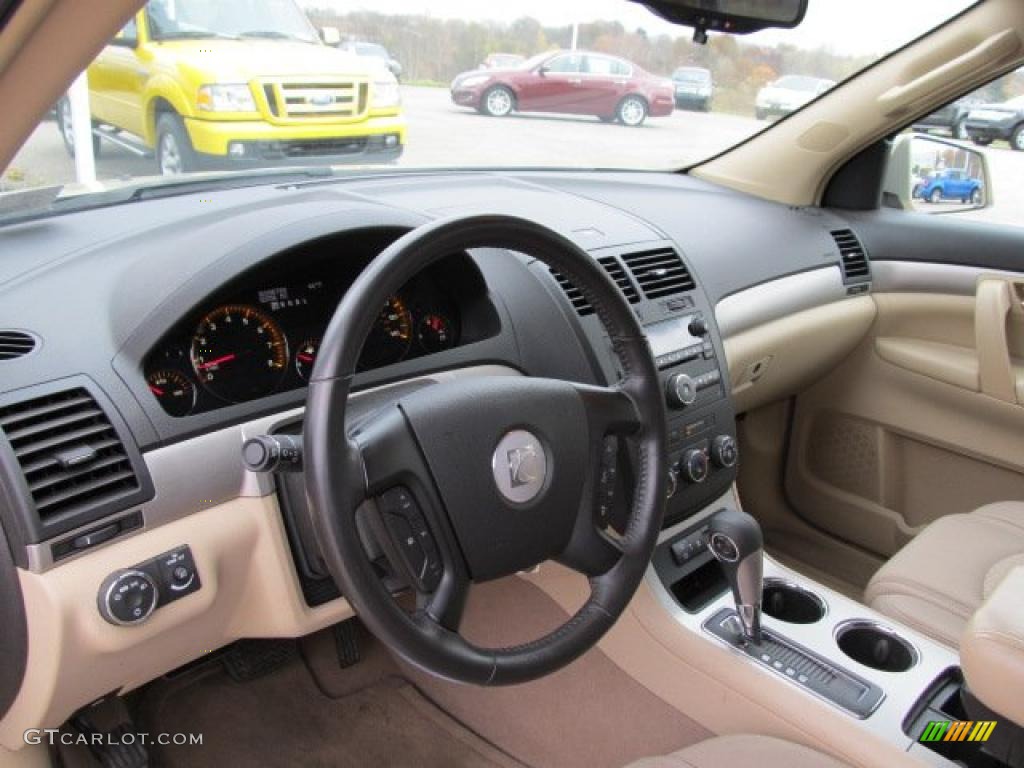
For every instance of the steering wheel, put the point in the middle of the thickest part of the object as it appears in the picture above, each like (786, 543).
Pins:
(475, 478)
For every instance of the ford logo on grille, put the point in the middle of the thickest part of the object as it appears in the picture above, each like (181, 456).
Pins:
(321, 99)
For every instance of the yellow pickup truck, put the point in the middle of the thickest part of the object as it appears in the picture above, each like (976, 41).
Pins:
(206, 84)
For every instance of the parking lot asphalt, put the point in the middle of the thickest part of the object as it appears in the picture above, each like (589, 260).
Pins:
(441, 134)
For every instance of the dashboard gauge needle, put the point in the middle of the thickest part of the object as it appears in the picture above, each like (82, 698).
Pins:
(305, 358)
(217, 361)
(156, 391)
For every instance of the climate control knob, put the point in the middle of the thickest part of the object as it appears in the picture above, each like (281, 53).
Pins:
(681, 390)
(694, 466)
(724, 451)
(127, 597)
(698, 326)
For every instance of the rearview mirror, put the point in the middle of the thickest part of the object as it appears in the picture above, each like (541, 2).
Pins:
(738, 17)
(932, 175)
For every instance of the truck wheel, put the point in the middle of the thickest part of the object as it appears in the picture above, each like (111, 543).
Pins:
(1017, 138)
(632, 111)
(66, 133)
(174, 153)
(981, 141)
(761, 114)
(498, 101)
(976, 198)
(935, 196)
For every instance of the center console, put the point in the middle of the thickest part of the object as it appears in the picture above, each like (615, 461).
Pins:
(885, 679)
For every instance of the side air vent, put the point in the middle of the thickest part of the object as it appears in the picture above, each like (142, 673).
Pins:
(617, 274)
(72, 458)
(659, 272)
(855, 265)
(15, 344)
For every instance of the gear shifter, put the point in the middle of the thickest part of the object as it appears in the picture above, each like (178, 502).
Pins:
(734, 539)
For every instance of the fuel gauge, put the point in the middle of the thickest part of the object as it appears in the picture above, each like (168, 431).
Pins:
(434, 333)
(305, 358)
(175, 393)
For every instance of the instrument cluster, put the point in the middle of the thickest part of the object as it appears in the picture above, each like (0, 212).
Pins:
(264, 340)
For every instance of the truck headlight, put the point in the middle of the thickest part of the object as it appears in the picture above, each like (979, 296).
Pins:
(226, 97)
(386, 93)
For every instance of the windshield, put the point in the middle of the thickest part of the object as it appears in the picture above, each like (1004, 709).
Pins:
(216, 91)
(180, 19)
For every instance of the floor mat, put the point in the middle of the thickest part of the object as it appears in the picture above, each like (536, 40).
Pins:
(283, 719)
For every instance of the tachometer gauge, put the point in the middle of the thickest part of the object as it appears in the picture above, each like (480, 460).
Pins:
(434, 333)
(305, 357)
(239, 353)
(390, 338)
(175, 393)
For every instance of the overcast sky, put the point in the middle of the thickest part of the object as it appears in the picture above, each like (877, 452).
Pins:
(848, 26)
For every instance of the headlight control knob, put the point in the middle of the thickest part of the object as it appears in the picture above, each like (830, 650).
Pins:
(127, 597)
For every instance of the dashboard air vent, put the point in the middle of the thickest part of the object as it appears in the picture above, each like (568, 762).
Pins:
(617, 274)
(855, 265)
(15, 344)
(70, 454)
(659, 272)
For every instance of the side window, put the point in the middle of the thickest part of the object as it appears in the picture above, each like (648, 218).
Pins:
(567, 64)
(599, 65)
(127, 36)
(621, 68)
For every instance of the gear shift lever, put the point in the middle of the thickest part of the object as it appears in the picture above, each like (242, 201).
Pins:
(734, 539)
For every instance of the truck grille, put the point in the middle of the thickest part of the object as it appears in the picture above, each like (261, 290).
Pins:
(325, 99)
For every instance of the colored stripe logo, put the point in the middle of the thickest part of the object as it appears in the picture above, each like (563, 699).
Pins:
(958, 730)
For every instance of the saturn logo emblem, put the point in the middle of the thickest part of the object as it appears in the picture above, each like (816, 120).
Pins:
(520, 466)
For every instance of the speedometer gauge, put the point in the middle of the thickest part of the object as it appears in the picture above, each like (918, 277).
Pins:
(239, 353)
(390, 337)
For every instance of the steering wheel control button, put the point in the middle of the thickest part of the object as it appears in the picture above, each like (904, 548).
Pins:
(724, 451)
(607, 475)
(694, 465)
(412, 539)
(131, 595)
(519, 466)
(681, 390)
(128, 597)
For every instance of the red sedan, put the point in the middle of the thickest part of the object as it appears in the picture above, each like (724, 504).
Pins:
(573, 82)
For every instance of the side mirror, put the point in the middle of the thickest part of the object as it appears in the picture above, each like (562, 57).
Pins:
(542, 70)
(931, 175)
(330, 35)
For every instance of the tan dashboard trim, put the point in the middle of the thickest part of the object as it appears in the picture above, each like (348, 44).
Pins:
(249, 589)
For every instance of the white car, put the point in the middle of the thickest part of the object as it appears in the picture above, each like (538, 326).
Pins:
(788, 94)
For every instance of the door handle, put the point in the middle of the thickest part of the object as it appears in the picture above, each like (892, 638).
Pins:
(999, 303)
(575, 80)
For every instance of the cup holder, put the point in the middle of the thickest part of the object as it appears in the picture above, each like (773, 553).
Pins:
(876, 646)
(785, 601)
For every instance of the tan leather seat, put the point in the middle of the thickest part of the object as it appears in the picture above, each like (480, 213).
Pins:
(937, 581)
(742, 751)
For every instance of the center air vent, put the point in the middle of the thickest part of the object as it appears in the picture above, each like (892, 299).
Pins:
(615, 271)
(855, 265)
(73, 460)
(659, 272)
(15, 344)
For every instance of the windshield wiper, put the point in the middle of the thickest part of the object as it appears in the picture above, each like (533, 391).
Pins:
(273, 34)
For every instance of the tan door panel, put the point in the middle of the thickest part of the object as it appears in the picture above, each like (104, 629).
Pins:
(904, 431)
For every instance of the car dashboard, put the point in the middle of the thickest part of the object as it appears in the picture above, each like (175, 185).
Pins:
(165, 333)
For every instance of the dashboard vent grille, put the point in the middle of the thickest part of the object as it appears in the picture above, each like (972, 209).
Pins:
(15, 344)
(855, 265)
(70, 454)
(615, 271)
(659, 272)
